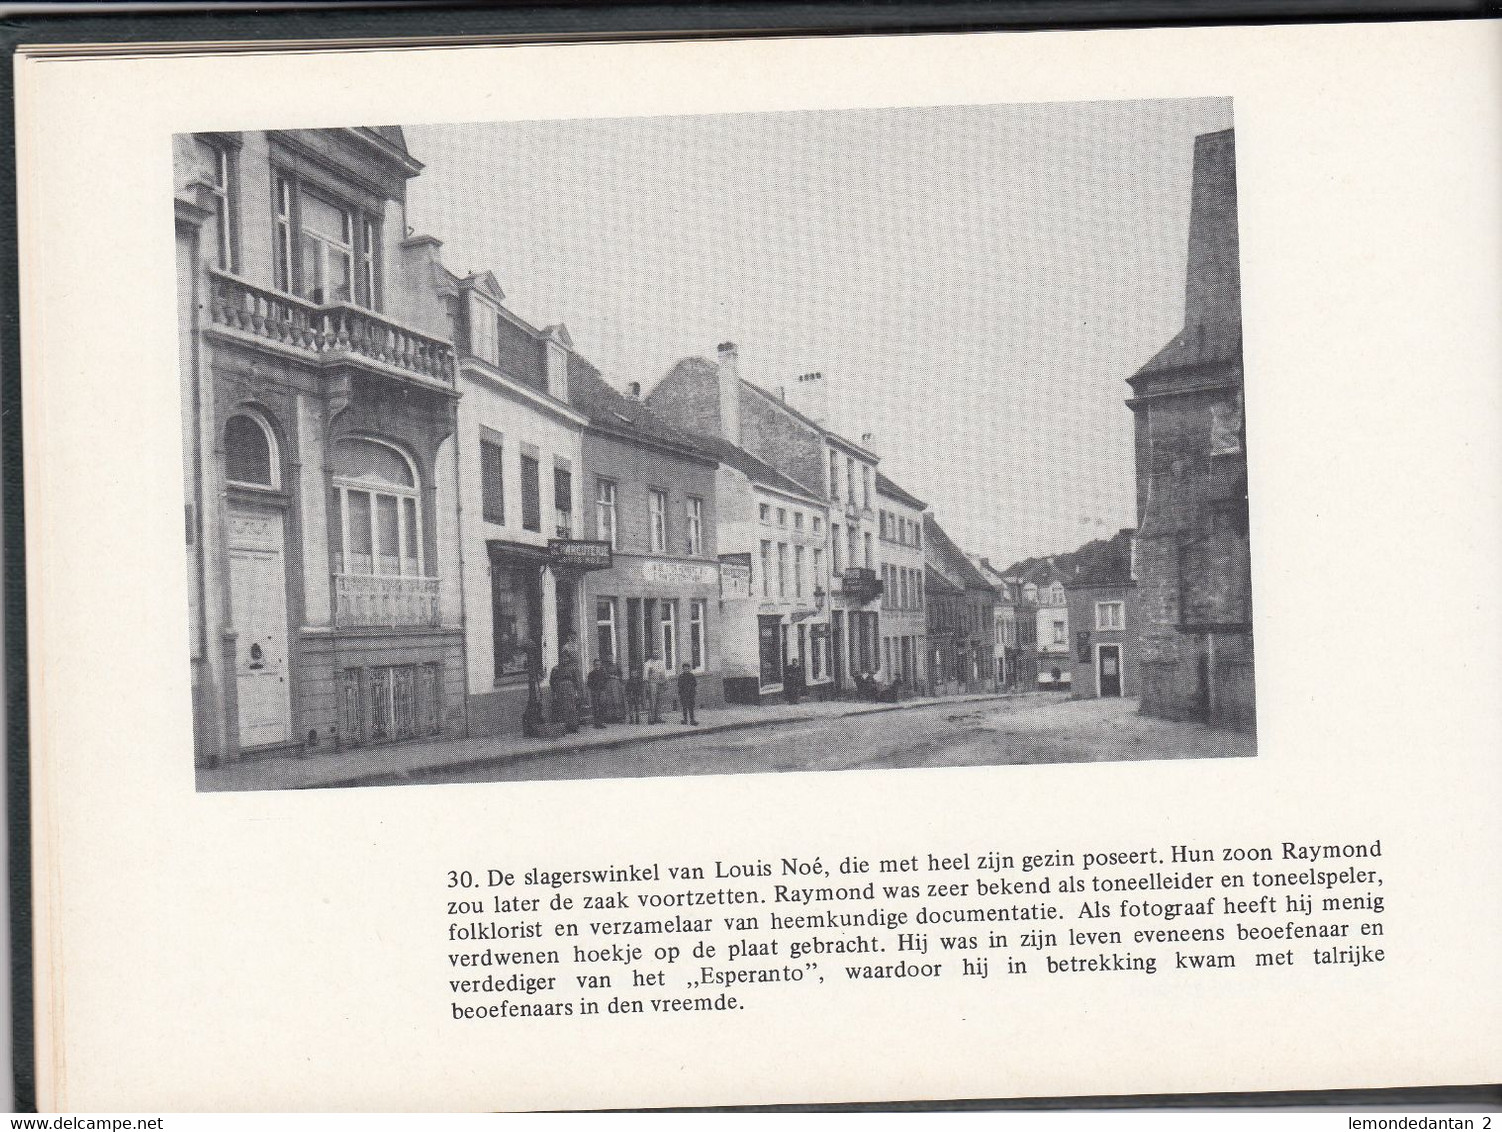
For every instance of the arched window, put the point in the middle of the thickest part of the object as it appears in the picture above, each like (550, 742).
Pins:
(379, 517)
(249, 451)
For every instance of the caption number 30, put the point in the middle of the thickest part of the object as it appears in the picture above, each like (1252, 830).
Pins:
(461, 879)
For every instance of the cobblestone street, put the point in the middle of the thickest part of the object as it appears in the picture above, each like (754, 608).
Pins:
(1016, 730)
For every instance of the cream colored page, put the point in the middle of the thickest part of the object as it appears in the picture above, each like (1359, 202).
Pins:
(286, 950)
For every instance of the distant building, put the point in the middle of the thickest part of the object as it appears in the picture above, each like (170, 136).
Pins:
(318, 400)
(1004, 638)
(962, 618)
(1102, 596)
(1044, 658)
(1193, 549)
(903, 620)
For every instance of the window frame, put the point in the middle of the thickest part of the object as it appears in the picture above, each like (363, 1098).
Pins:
(657, 520)
(289, 234)
(493, 510)
(1103, 624)
(273, 450)
(613, 625)
(375, 489)
(693, 514)
(607, 503)
(698, 634)
(667, 613)
(531, 493)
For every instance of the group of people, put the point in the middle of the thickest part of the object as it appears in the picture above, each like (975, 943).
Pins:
(613, 699)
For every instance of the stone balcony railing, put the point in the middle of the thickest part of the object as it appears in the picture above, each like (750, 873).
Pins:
(365, 601)
(332, 332)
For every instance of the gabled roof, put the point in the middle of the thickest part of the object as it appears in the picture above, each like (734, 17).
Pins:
(886, 487)
(943, 549)
(611, 411)
(753, 469)
(486, 283)
(935, 579)
(823, 430)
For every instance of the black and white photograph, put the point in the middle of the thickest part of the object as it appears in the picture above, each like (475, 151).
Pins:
(795, 441)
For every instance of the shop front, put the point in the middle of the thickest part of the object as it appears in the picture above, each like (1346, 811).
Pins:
(650, 608)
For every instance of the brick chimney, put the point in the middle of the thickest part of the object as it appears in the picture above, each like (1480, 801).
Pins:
(811, 397)
(730, 393)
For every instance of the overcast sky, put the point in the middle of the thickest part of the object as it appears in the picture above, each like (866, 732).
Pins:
(976, 283)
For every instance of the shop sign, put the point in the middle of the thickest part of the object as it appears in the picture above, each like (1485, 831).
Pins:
(735, 576)
(663, 573)
(579, 554)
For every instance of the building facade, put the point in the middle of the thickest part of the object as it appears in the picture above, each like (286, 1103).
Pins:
(773, 547)
(1103, 612)
(318, 448)
(521, 501)
(650, 500)
(903, 619)
(1193, 541)
(714, 399)
(964, 625)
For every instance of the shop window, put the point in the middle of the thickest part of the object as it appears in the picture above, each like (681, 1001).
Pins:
(697, 644)
(695, 526)
(378, 529)
(531, 494)
(670, 635)
(563, 503)
(249, 451)
(492, 481)
(605, 524)
(657, 516)
(516, 617)
(605, 631)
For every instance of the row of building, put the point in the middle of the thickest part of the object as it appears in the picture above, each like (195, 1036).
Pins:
(405, 504)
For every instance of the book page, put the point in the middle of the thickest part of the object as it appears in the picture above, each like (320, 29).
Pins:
(422, 443)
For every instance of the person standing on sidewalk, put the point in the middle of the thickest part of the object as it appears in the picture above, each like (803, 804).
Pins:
(596, 682)
(634, 693)
(688, 691)
(563, 683)
(657, 684)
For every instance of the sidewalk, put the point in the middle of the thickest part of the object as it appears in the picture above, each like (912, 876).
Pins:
(376, 766)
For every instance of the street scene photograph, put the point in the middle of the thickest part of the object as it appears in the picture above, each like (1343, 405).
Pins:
(722, 444)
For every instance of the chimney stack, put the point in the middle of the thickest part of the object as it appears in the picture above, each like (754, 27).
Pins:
(635, 390)
(730, 393)
(811, 397)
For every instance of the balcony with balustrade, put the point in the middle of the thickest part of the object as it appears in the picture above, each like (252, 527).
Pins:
(373, 601)
(327, 335)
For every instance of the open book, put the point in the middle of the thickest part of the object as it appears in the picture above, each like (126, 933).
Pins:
(780, 528)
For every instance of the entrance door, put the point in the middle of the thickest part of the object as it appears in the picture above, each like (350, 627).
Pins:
(1108, 670)
(258, 608)
(634, 656)
(837, 647)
